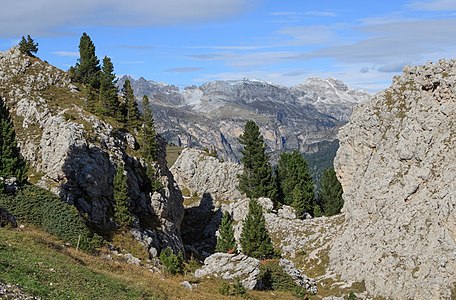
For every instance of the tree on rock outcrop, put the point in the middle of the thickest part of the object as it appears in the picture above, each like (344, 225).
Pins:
(108, 90)
(225, 241)
(28, 46)
(122, 215)
(330, 193)
(255, 239)
(256, 180)
(132, 116)
(12, 164)
(149, 136)
(296, 187)
(87, 68)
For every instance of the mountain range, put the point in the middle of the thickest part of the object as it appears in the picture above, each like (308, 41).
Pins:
(212, 116)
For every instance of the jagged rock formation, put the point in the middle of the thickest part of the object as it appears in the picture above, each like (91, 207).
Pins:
(199, 172)
(74, 153)
(396, 166)
(214, 114)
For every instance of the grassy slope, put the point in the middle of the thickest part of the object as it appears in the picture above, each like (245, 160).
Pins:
(44, 267)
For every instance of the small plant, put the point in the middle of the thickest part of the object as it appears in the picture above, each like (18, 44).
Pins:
(232, 289)
(352, 296)
(172, 262)
(273, 277)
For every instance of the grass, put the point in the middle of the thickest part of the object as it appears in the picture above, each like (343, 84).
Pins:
(172, 153)
(44, 267)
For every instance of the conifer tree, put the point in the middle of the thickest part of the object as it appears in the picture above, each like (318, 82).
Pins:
(255, 239)
(132, 117)
(28, 46)
(330, 193)
(122, 214)
(256, 180)
(225, 240)
(87, 68)
(12, 164)
(149, 136)
(108, 90)
(295, 183)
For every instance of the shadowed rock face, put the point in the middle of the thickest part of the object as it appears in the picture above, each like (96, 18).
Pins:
(396, 163)
(75, 153)
(214, 114)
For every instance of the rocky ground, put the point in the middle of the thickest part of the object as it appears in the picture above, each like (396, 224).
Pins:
(13, 292)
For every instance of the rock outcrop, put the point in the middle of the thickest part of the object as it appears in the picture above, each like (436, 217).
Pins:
(74, 153)
(213, 115)
(199, 172)
(396, 163)
(247, 269)
(7, 219)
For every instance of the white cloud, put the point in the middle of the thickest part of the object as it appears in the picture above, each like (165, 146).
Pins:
(183, 70)
(49, 16)
(435, 5)
(66, 53)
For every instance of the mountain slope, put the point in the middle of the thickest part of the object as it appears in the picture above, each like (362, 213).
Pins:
(74, 153)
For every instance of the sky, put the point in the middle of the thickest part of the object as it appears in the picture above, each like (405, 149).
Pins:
(190, 42)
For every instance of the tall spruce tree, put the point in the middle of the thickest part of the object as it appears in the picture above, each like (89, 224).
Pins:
(330, 193)
(122, 214)
(12, 164)
(295, 183)
(87, 69)
(149, 136)
(255, 239)
(28, 46)
(256, 180)
(108, 90)
(132, 116)
(225, 240)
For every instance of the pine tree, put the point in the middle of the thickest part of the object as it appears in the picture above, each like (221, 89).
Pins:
(255, 239)
(330, 193)
(12, 164)
(108, 90)
(295, 183)
(132, 117)
(256, 180)
(122, 215)
(149, 136)
(87, 69)
(28, 46)
(225, 240)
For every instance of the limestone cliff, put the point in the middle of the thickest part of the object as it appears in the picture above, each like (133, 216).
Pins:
(396, 163)
(74, 153)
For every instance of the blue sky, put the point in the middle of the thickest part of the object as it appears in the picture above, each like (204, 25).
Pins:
(185, 42)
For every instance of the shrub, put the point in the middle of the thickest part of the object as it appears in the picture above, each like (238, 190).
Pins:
(172, 262)
(273, 277)
(40, 207)
(232, 289)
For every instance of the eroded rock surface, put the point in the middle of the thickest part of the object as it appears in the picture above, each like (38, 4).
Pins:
(397, 167)
(74, 153)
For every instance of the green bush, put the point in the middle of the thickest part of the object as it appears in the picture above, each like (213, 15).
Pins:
(172, 262)
(232, 289)
(40, 207)
(272, 277)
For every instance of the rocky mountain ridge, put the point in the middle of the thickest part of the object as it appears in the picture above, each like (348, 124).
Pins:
(74, 153)
(396, 166)
(213, 114)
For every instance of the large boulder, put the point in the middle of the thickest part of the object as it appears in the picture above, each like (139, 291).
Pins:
(199, 172)
(396, 164)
